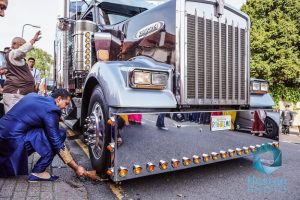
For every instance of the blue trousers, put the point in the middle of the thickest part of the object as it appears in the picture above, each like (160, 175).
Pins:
(37, 141)
(160, 122)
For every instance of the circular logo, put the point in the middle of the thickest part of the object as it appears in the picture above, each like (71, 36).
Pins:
(264, 168)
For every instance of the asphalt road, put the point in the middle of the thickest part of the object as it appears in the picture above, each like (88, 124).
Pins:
(233, 179)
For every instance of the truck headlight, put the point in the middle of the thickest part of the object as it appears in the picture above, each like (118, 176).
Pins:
(264, 87)
(141, 77)
(149, 79)
(255, 86)
(159, 78)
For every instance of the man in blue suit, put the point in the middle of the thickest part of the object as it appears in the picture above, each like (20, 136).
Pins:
(32, 125)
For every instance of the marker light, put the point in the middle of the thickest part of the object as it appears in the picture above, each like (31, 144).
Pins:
(163, 165)
(215, 156)
(246, 150)
(110, 172)
(186, 161)
(252, 148)
(150, 167)
(276, 144)
(239, 151)
(111, 147)
(196, 159)
(223, 154)
(205, 157)
(175, 163)
(123, 171)
(111, 121)
(231, 152)
(137, 169)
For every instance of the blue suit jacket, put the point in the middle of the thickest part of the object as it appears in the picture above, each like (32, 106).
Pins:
(31, 112)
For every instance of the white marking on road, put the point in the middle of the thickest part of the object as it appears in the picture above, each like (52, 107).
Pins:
(175, 125)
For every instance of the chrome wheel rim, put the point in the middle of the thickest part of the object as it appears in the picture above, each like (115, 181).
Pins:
(95, 130)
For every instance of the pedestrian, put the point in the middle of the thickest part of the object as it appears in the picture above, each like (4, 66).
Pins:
(258, 125)
(160, 122)
(35, 73)
(3, 7)
(287, 119)
(3, 64)
(32, 125)
(19, 80)
(296, 121)
(6, 49)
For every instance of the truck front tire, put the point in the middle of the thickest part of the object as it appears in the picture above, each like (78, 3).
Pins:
(98, 153)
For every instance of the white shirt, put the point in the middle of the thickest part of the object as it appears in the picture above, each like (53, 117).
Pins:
(36, 75)
(16, 56)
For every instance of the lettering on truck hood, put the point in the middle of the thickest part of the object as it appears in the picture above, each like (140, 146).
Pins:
(149, 29)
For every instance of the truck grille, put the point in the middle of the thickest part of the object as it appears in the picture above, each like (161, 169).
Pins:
(216, 63)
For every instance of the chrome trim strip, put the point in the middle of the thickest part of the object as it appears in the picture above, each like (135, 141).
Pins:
(220, 60)
(239, 65)
(196, 55)
(212, 58)
(233, 62)
(205, 81)
(226, 29)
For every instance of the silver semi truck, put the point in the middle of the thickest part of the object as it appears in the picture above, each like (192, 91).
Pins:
(168, 81)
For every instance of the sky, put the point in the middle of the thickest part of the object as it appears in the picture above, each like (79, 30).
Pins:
(41, 13)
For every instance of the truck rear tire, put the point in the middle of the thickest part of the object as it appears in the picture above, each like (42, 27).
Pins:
(99, 155)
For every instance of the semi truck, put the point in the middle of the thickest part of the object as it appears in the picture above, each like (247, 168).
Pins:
(182, 67)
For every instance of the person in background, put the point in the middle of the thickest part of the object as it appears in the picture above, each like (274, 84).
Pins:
(3, 7)
(19, 80)
(296, 121)
(160, 122)
(3, 71)
(6, 49)
(35, 73)
(287, 119)
(258, 125)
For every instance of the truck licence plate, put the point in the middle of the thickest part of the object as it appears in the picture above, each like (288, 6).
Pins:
(220, 123)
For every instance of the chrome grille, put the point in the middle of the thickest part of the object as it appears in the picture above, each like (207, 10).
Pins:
(216, 62)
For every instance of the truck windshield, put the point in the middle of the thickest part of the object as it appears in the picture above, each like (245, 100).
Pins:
(115, 13)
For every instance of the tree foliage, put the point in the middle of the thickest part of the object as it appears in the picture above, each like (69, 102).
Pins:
(275, 41)
(43, 61)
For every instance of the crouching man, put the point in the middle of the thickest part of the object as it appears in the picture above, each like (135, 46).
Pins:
(32, 125)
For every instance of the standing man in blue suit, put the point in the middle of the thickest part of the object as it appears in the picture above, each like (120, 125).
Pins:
(32, 125)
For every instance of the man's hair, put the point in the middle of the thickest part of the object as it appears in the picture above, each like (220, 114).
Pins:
(18, 40)
(31, 59)
(63, 93)
(6, 48)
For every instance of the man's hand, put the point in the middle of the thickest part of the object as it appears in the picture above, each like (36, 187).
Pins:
(92, 175)
(3, 71)
(80, 171)
(36, 37)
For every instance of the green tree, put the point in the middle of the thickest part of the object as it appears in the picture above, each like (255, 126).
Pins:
(43, 61)
(275, 41)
